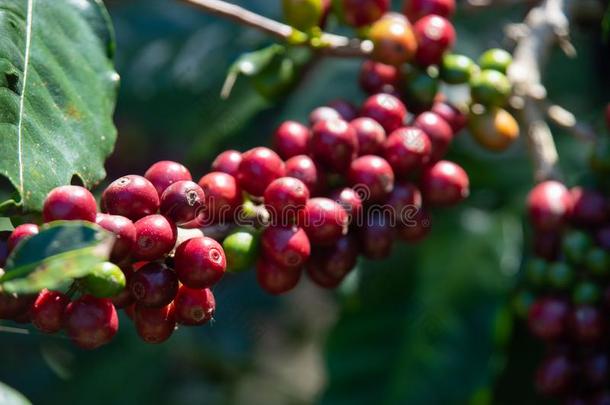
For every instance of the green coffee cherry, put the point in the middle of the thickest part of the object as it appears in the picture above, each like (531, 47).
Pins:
(597, 261)
(105, 280)
(586, 292)
(241, 250)
(457, 69)
(490, 88)
(560, 275)
(421, 87)
(575, 246)
(536, 272)
(496, 59)
(522, 302)
(302, 14)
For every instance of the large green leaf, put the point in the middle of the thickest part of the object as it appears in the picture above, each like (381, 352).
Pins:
(425, 326)
(57, 96)
(54, 257)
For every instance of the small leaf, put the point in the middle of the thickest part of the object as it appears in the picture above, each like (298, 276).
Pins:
(9, 396)
(60, 253)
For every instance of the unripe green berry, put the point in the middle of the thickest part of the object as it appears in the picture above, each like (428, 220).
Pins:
(586, 292)
(241, 250)
(490, 88)
(105, 280)
(560, 275)
(521, 303)
(457, 69)
(575, 246)
(302, 14)
(597, 261)
(536, 272)
(421, 87)
(496, 59)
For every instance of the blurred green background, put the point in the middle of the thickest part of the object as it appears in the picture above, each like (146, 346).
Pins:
(430, 325)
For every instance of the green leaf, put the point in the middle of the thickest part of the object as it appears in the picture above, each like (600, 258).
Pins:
(54, 257)
(9, 396)
(58, 95)
(427, 318)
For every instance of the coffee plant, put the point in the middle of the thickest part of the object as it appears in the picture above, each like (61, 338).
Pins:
(356, 181)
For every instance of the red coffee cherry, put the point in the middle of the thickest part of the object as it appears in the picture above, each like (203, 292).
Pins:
(182, 201)
(590, 207)
(153, 285)
(291, 139)
(328, 266)
(48, 311)
(435, 36)
(284, 198)
(346, 110)
(554, 376)
(124, 231)
(286, 246)
(386, 109)
(374, 175)
(549, 205)
(323, 114)
(586, 324)
(13, 306)
(359, 13)
(275, 279)
(393, 40)
(91, 322)
(131, 196)
(154, 325)
(351, 202)
(371, 136)
(194, 306)
(376, 236)
(407, 149)
(155, 237)
(324, 221)
(164, 173)
(69, 203)
(416, 9)
(439, 132)
(259, 167)
(334, 144)
(222, 196)
(444, 184)
(124, 299)
(452, 115)
(20, 233)
(227, 162)
(304, 168)
(404, 200)
(416, 227)
(376, 77)
(200, 262)
(548, 318)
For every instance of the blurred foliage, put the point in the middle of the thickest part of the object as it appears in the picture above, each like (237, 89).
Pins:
(427, 326)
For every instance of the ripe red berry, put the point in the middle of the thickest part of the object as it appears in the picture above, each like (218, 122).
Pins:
(373, 177)
(548, 318)
(370, 134)
(435, 35)
(284, 198)
(182, 201)
(304, 168)
(554, 375)
(324, 221)
(549, 205)
(222, 196)
(48, 311)
(586, 324)
(334, 144)
(346, 110)
(445, 183)
(91, 322)
(164, 173)
(131, 196)
(405, 201)
(154, 325)
(359, 13)
(415, 228)
(351, 202)
(155, 237)
(227, 162)
(275, 279)
(376, 77)
(407, 149)
(124, 231)
(200, 262)
(290, 139)
(590, 207)
(69, 203)
(386, 109)
(328, 266)
(452, 115)
(439, 132)
(153, 285)
(194, 306)
(323, 114)
(259, 167)
(416, 9)
(286, 246)
(20, 233)
(13, 306)
(376, 236)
